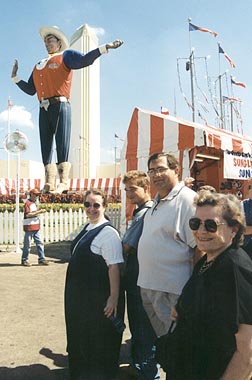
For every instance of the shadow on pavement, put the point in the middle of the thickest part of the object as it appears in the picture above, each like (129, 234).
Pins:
(33, 372)
(59, 360)
(38, 371)
(2, 265)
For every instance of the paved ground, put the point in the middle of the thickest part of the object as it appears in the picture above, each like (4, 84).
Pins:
(32, 334)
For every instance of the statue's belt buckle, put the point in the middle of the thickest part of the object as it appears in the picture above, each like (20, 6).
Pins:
(44, 103)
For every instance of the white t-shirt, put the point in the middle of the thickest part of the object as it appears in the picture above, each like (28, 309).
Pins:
(107, 243)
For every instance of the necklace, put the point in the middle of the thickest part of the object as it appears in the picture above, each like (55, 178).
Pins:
(206, 265)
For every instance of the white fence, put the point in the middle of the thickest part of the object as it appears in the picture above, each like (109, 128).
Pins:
(55, 225)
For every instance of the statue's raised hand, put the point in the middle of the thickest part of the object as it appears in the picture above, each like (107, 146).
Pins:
(114, 45)
(14, 69)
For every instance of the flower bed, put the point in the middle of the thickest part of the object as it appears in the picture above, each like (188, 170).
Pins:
(55, 201)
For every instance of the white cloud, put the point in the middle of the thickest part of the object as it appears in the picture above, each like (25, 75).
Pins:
(19, 117)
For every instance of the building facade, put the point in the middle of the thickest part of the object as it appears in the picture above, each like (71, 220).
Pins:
(85, 100)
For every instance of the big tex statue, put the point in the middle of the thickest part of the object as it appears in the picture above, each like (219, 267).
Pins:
(51, 79)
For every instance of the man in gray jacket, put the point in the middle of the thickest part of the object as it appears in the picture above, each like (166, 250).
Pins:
(137, 187)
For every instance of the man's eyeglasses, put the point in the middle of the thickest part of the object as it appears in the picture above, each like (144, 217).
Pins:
(209, 224)
(94, 205)
(153, 172)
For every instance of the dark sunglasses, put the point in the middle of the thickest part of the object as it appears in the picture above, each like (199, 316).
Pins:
(210, 225)
(95, 205)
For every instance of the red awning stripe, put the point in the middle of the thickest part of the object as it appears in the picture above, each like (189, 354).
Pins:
(156, 134)
(186, 137)
(131, 152)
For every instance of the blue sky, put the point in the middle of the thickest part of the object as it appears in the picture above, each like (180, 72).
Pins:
(143, 72)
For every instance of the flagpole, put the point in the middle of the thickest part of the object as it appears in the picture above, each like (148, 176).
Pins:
(220, 91)
(231, 116)
(219, 56)
(115, 156)
(191, 58)
(175, 103)
(231, 107)
(241, 121)
(190, 46)
(221, 104)
(191, 67)
(8, 157)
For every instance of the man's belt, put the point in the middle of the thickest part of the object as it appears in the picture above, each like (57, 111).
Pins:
(45, 103)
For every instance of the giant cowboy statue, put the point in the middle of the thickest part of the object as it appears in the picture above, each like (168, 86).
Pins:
(51, 79)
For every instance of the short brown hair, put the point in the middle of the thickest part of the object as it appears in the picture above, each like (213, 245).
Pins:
(97, 192)
(142, 179)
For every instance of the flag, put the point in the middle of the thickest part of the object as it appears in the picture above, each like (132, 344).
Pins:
(237, 83)
(192, 28)
(231, 99)
(118, 137)
(164, 111)
(221, 51)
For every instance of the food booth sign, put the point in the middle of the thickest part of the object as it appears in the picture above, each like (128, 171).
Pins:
(237, 165)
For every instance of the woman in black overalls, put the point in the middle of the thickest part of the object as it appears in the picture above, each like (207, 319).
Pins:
(92, 295)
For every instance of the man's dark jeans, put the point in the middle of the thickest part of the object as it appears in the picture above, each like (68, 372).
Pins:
(143, 336)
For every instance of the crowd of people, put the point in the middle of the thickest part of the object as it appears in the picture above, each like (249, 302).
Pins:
(181, 264)
(181, 270)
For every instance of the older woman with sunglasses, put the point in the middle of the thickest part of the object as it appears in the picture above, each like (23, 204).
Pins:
(212, 339)
(93, 303)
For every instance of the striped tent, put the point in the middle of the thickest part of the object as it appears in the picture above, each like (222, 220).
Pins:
(151, 132)
(110, 185)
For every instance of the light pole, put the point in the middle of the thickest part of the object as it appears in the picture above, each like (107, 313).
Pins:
(115, 161)
(8, 153)
(15, 143)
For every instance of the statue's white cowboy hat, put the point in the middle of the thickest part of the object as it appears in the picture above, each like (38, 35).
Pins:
(55, 31)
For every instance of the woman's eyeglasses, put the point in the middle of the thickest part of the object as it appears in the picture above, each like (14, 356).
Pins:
(94, 205)
(210, 225)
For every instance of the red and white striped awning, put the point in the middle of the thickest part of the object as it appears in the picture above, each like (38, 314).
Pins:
(110, 185)
(151, 132)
